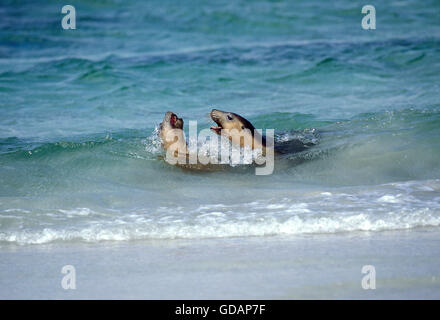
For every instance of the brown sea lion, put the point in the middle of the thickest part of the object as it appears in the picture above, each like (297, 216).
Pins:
(172, 135)
(241, 131)
(173, 141)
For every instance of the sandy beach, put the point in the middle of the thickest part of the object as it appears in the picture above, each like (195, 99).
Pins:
(407, 266)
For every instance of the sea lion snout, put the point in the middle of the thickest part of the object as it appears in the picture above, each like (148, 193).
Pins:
(225, 120)
(217, 117)
(216, 113)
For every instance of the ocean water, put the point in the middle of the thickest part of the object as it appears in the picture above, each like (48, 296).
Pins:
(80, 160)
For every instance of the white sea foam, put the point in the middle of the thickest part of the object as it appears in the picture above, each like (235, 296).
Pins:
(215, 225)
(389, 198)
(77, 212)
(376, 208)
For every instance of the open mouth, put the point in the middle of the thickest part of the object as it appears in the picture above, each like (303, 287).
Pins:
(218, 128)
(173, 120)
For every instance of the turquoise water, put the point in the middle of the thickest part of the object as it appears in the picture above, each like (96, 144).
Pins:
(79, 153)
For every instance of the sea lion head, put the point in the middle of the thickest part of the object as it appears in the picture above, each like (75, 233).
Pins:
(171, 121)
(238, 129)
(229, 121)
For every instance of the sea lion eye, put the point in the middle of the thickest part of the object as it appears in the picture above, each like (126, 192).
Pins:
(229, 117)
(242, 127)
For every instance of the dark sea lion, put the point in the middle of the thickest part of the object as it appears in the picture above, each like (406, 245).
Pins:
(241, 131)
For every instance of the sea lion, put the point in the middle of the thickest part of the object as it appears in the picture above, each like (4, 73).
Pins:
(174, 142)
(241, 131)
(237, 129)
(172, 135)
